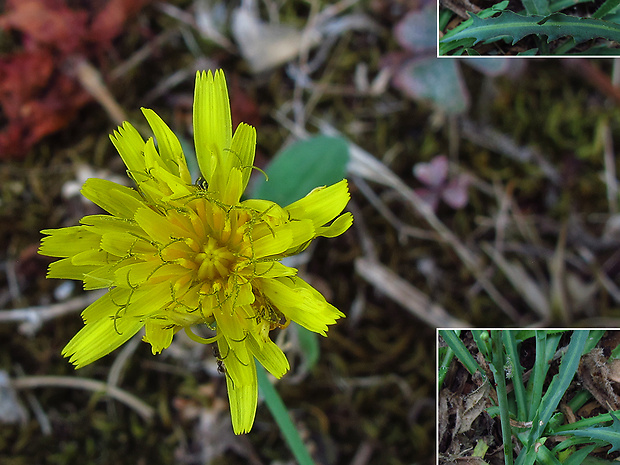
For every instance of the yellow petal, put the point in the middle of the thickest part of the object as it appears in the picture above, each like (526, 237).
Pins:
(236, 369)
(99, 338)
(158, 335)
(230, 187)
(93, 257)
(301, 303)
(243, 149)
(321, 205)
(339, 225)
(243, 399)
(269, 355)
(118, 200)
(64, 269)
(129, 144)
(66, 242)
(273, 269)
(100, 277)
(106, 223)
(157, 226)
(212, 121)
(135, 274)
(169, 146)
(123, 244)
(272, 244)
(106, 306)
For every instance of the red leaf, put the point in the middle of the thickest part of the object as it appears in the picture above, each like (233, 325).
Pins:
(48, 22)
(109, 22)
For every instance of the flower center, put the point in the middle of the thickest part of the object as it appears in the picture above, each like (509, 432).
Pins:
(211, 240)
(215, 262)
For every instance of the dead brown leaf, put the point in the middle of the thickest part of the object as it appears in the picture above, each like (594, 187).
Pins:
(38, 93)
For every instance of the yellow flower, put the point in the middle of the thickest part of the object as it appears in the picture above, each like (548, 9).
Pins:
(175, 254)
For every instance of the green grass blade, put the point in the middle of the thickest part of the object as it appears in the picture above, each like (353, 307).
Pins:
(546, 344)
(576, 458)
(568, 368)
(483, 342)
(545, 457)
(510, 343)
(558, 5)
(444, 366)
(461, 351)
(497, 367)
(283, 420)
(593, 339)
(608, 7)
(554, 394)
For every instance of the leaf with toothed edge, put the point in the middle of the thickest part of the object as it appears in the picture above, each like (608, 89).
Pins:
(610, 434)
(514, 27)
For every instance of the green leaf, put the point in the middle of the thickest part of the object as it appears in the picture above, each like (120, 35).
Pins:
(296, 170)
(435, 80)
(610, 434)
(309, 344)
(514, 27)
(446, 46)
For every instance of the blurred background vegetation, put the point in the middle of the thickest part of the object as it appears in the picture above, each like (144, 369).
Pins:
(484, 193)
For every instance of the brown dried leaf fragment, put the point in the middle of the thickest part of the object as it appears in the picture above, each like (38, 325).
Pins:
(595, 374)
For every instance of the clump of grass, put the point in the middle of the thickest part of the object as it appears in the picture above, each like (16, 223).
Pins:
(533, 379)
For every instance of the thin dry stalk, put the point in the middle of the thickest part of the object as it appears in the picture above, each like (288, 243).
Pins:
(27, 382)
(408, 296)
(32, 318)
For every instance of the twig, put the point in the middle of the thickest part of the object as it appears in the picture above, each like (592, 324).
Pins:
(611, 183)
(406, 294)
(142, 54)
(144, 410)
(402, 228)
(33, 317)
(90, 78)
(116, 370)
(597, 78)
(489, 138)
(35, 405)
(364, 453)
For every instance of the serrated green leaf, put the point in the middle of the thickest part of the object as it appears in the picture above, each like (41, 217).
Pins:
(514, 27)
(610, 434)
(448, 46)
(296, 170)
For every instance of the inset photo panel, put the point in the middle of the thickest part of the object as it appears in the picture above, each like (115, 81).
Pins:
(526, 396)
(552, 28)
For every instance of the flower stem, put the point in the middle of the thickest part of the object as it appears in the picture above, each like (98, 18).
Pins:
(280, 414)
